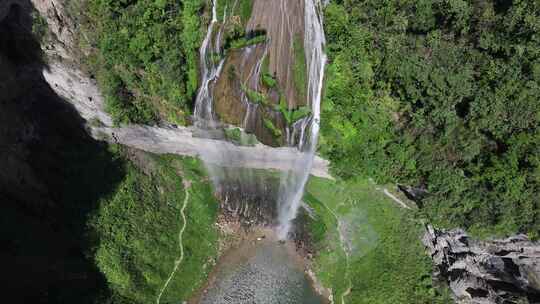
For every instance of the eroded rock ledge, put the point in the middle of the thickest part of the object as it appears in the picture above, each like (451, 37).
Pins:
(497, 271)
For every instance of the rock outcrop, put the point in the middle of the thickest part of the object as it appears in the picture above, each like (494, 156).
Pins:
(272, 78)
(61, 26)
(183, 141)
(63, 72)
(485, 272)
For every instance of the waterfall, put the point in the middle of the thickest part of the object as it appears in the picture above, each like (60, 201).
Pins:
(253, 83)
(293, 182)
(209, 71)
(240, 188)
(304, 132)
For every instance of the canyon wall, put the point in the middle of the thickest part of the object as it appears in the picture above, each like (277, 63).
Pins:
(486, 272)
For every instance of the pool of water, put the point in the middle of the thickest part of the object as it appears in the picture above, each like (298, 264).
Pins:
(261, 272)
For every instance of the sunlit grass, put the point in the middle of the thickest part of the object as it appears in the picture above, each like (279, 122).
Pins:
(386, 263)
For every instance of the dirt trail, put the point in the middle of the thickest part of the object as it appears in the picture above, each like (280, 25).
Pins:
(187, 185)
(395, 199)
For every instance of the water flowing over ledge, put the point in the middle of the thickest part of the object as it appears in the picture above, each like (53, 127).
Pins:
(293, 182)
(182, 141)
(83, 93)
(297, 164)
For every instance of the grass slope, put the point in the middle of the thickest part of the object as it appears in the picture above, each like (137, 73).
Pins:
(386, 262)
(136, 230)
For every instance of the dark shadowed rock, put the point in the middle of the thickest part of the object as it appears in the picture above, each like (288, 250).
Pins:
(415, 194)
(52, 177)
(497, 271)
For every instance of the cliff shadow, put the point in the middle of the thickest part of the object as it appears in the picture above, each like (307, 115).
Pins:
(52, 177)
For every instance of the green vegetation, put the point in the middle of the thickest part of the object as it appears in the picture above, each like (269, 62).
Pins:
(386, 262)
(238, 137)
(292, 116)
(242, 10)
(241, 42)
(40, 29)
(300, 68)
(255, 96)
(268, 80)
(441, 95)
(299, 113)
(144, 56)
(237, 14)
(233, 134)
(246, 7)
(270, 126)
(136, 231)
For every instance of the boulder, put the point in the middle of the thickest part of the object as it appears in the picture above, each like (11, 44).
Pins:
(493, 271)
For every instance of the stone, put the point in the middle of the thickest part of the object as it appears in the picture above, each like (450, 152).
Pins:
(492, 271)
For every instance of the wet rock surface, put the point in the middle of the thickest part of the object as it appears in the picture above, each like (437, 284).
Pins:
(283, 21)
(248, 196)
(279, 57)
(231, 103)
(497, 271)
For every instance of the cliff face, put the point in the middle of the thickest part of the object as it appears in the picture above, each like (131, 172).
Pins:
(63, 72)
(498, 271)
(284, 23)
(263, 83)
(60, 25)
(52, 176)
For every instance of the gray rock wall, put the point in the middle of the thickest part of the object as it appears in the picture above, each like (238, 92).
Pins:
(497, 271)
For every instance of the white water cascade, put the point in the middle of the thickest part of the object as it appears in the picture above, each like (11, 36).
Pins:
(293, 182)
(209, 69)
(304, 133)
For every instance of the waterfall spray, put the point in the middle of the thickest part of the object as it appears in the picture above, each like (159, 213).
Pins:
(293, 182)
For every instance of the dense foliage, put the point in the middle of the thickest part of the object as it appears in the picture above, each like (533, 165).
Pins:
(136, 231)
(144, 56)
(442, 95)
(386, 262)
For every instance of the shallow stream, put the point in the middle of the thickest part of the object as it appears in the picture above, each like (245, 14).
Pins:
(262, 271)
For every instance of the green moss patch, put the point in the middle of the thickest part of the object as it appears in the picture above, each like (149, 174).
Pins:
(238, 137)
(254, 96)
(300, 68)
(271, 127)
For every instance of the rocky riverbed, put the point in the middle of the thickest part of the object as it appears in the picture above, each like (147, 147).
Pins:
(258, 268)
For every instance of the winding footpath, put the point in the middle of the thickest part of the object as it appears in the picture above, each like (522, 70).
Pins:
(177, 262)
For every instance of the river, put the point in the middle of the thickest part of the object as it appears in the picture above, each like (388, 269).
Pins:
(260, 270)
